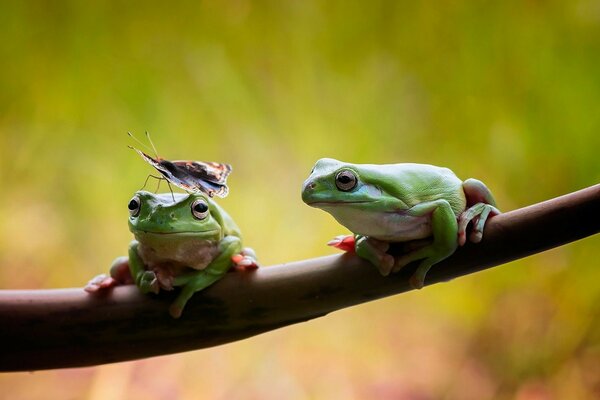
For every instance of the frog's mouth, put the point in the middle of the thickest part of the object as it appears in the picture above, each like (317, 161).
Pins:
(336, 203)
(182, 234)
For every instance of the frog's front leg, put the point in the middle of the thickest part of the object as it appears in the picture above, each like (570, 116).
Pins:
(145, 280)
(444, 228)
(375, 251)
(198, 280)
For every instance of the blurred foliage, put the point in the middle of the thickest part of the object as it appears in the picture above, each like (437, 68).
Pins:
(506, 92)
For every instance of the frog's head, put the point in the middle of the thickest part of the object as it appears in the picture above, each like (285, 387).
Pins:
(333, 184)
(190, 215)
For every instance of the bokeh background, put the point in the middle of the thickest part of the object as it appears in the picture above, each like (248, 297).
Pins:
(507, 92)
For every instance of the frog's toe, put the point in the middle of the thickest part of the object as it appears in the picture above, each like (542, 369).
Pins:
(148, 282)
(417, 281)
(476, 236)
(244, 262)
(407, 258)
(386, 264)
(99, 282)
(343, 242)
(462, 237)
(175, 310)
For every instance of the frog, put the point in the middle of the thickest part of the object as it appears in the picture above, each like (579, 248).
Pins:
(184, 241)
(424, 208)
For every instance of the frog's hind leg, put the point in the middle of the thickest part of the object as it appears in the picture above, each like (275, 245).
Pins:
(444, 226)
(480, 206)
(198, 280)
(195, 284)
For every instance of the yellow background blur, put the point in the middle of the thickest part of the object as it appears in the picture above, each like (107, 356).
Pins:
(507, 92)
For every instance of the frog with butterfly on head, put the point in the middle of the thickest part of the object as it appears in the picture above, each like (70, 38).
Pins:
(182, 241)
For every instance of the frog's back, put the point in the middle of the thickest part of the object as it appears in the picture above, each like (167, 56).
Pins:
(418, 183)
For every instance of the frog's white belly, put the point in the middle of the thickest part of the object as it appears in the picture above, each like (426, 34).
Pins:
(156, 250)
(388, 226)
(170, 256)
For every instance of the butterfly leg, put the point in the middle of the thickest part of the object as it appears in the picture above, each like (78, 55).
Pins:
(171, 190)
(158, 178)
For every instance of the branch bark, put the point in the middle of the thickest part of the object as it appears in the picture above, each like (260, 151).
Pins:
(59, 328)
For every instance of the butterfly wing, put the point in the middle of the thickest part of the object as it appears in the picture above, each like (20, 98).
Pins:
(193, 176)
(208, 171)
(210, 177)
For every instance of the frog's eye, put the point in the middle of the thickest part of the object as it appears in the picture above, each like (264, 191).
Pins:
(345, 180)
(199, 209)
(134, 206)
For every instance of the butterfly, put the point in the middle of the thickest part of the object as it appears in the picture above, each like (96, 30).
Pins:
(191, 176)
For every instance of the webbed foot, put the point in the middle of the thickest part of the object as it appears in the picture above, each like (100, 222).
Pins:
(148, 282)
(100, 282)
(478, 214)
(345, 243)
(119, 275)
(245, 260)
(480, 206)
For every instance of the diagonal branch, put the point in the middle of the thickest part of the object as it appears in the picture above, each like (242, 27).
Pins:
(43, 329)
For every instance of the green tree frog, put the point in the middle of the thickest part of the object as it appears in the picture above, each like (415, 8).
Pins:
(406, 202)
(185, 241)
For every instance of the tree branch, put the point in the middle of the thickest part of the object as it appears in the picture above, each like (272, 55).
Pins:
(43, 329)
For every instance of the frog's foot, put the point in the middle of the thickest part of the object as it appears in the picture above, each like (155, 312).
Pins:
(175, 310)
(165, 279)
(245, 260)
(202, 280)
(120, 272)
(119, 275)
(345, 243)
(100, 282)
(148, 282)
(375, 251)
(429, 255)
(478, 215)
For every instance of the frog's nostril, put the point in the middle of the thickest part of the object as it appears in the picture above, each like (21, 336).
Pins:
(310, 185)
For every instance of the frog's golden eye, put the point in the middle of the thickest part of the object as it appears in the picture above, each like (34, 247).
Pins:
(134, 206)
(345, 180)
(199, 209)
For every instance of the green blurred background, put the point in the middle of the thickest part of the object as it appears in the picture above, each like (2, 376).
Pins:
(507, 92)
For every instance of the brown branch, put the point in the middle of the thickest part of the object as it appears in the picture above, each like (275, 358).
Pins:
(60, 328)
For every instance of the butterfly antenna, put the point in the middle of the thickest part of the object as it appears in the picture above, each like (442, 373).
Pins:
(151, 143)
(140, 142)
